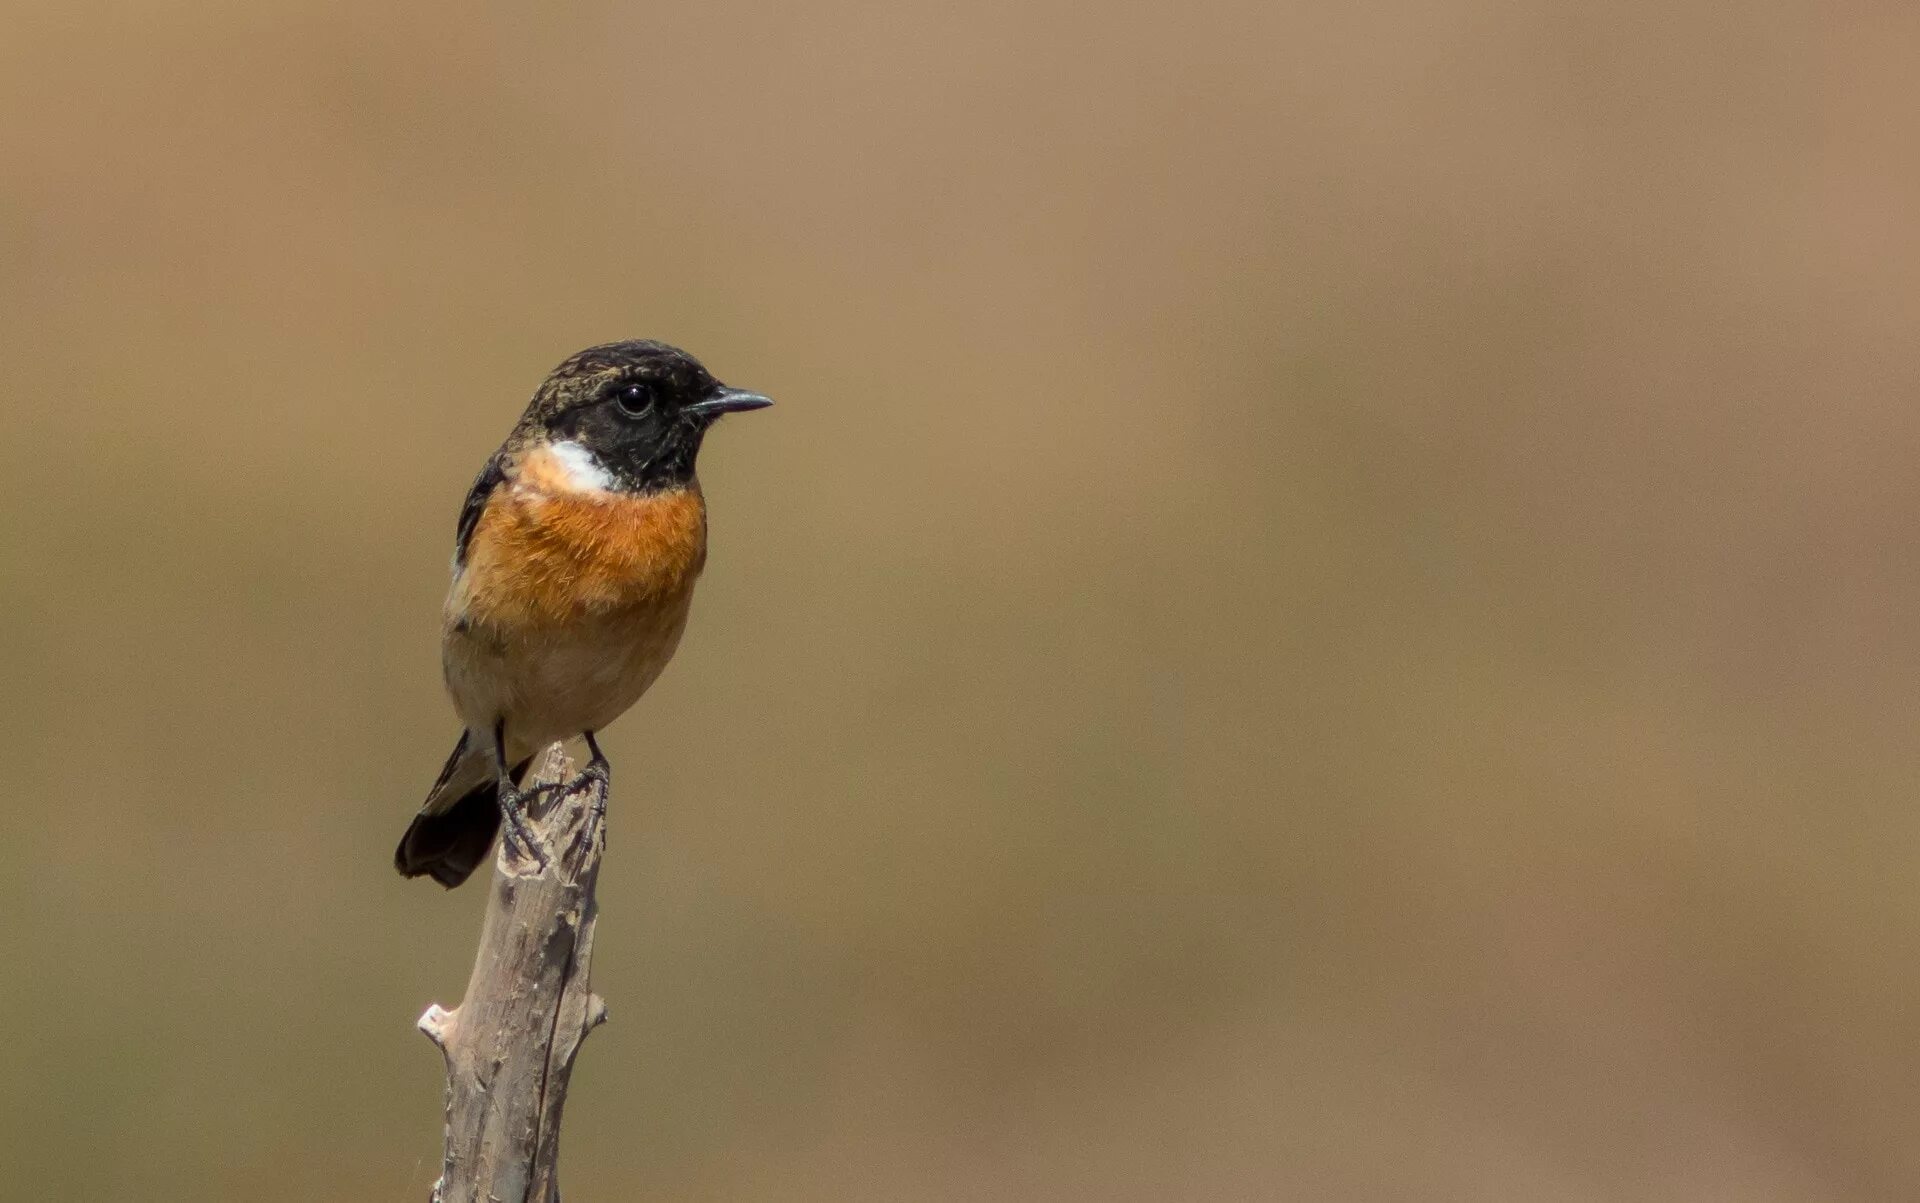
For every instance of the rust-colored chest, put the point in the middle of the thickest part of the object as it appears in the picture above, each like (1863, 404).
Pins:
(543, 558)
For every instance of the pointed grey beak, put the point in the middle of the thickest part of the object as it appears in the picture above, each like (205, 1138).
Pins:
(728, 401)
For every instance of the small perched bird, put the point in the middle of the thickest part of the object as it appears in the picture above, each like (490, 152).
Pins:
(573, 569)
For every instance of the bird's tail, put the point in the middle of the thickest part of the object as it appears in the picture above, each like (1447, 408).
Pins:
(452, 833)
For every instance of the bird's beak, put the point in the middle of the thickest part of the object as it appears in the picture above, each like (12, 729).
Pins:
(728, 401)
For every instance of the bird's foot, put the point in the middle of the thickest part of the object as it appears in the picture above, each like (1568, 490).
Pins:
(514, 833)
(598, 770)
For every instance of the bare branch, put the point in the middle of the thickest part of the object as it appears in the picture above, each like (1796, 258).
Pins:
(511, 1042)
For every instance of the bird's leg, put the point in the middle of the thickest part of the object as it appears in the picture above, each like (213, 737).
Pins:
(513, 815)
(598, 770)
(597, 767)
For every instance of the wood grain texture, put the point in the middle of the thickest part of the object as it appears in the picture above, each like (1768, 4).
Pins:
(511, 1043)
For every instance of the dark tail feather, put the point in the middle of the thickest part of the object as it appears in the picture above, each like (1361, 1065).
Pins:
(449, 846)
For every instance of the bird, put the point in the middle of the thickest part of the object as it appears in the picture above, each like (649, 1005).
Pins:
(574, 564)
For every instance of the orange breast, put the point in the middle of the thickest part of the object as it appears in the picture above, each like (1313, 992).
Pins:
(542, 559)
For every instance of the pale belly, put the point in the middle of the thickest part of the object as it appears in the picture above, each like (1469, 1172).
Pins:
(554, 684)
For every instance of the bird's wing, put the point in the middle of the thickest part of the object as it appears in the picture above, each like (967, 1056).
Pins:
(483, 487)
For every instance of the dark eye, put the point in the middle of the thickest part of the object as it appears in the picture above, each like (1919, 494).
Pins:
(634, 399)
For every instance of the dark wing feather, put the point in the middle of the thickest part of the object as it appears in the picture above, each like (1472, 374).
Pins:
(483, 487)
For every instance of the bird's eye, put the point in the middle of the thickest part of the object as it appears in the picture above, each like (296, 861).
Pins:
(634, 399)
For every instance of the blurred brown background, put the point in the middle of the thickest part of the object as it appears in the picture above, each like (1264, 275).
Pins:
(1328, 612)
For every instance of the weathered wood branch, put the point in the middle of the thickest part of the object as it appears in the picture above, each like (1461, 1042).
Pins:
(510, 1044)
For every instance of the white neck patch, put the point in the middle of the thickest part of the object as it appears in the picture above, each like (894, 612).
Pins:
(583, 472)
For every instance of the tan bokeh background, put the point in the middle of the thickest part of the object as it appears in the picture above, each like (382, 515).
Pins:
(1328, 611)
